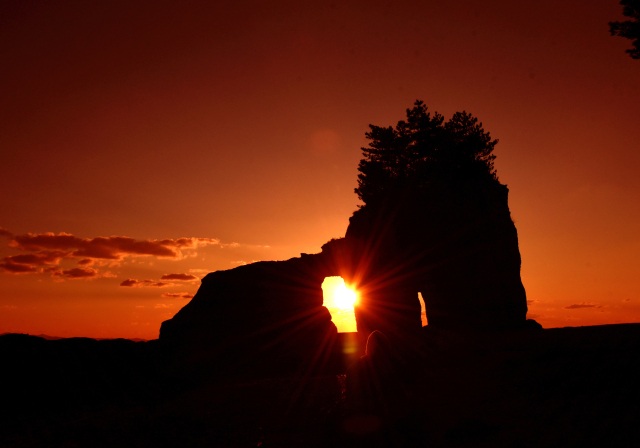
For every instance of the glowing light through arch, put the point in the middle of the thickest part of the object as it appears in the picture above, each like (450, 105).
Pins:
(340, 300)
(344, 297)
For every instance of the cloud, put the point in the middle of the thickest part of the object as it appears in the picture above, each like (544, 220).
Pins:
(110, 248)
(577, 306)
(38, 259)
(48, 252)
(181, 277)
(178, 295)
(78, 273)
(16, 268)
(162, 306)
(142, 283)
(29, 263)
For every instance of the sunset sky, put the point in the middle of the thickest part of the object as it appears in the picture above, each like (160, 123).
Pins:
(146, 143)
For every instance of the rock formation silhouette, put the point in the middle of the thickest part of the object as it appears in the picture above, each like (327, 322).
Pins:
(435, 220)
(265, 315)
(458, 247)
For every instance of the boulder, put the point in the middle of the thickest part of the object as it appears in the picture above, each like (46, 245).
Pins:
(266, 316)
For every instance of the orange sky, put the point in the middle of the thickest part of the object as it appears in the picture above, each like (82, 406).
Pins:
(150, 139)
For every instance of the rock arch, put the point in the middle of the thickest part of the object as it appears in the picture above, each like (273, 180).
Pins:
(459, 250)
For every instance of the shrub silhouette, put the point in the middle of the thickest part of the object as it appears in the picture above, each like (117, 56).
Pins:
(629, 29)
(422, 150)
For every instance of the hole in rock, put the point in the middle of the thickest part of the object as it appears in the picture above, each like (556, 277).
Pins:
(339, 299)
(423, 310)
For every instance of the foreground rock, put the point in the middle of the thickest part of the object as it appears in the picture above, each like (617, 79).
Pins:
(267, 316)
(456, 245)
(569, 387)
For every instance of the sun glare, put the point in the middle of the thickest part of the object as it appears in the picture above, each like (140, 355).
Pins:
(339, 300)
(344, 297)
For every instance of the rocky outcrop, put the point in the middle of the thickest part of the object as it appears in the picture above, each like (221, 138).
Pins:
(267, 316)
(457, 245)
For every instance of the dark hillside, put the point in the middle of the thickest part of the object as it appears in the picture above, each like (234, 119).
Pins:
(569, 387)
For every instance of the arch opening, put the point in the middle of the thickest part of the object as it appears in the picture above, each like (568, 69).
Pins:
(423, 310)
(340, 299)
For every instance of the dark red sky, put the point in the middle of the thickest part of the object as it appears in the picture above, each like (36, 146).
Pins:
(240, 122)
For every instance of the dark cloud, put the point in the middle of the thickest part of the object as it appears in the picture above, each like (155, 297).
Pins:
(109, 248)
(16, 268)
(78, 273)
(181, 277)
(178, 295)
(39, 258)
(45, 251)
(129, 282)
(25, 263)
(139, 283)
(577, 306)
(112, 248)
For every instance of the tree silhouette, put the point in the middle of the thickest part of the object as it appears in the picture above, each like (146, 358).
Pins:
(629, 29)
(421, 150)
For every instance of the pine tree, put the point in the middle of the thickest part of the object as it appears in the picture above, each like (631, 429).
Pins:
(422, 150)
(629, 29)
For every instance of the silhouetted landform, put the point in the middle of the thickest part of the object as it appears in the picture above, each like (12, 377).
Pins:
(266, 316)
(255, 360)
(568, 387)
(53, 379)
(459, 248)
(435, 220)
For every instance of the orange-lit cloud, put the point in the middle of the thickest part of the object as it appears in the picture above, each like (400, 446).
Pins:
(180, 277)
(45, 251)
(77, 273)
(142, 283)
(178, 295)
(111, 248)
(577, 306)
(162, 306)
(16, 268)
(29, 263)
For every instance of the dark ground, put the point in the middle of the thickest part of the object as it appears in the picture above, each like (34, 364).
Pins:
(569, 387)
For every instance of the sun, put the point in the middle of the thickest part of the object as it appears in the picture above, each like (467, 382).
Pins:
(344, 297)
(340, 300)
